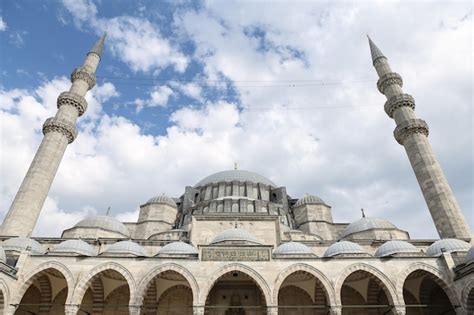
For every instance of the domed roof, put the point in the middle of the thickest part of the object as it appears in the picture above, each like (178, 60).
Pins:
(235, 235)
(235, 175)
(367, 223)
(104, 222)
(21, 243)
(292, 248)
(179, 248)
(447, 245)
(344, 247)
(75, 246)
(470, 255)
(163, 199)
(126, 247)
(3, 256)
(394, 247)
(309, 199)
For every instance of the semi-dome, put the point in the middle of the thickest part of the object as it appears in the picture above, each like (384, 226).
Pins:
(235, 175)
(395, 247)
(162, 199)
(470, 255)
(308, 200)
(235, 235)
(74, 247)
(22, 243)
(126, 248)
(344, 247)
(447, 245)
(104, 222)
(292, 248)
(3, 256)
(178, 248)
(367, 223)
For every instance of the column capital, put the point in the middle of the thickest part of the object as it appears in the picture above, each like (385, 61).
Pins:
(73, 99)
(336, 310)
(62, 126)
(397, 101)
(198, 309)
(81, 73)
(410, 127)
(71, 309)
(134, 309)
(272, 310)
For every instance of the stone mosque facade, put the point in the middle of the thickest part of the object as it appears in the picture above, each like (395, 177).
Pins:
(235, 242)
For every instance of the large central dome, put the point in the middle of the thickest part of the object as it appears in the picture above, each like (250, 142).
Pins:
(235, 175)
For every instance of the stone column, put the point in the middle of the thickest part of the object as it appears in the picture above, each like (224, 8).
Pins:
(336, 310)
(412, 133)
(198, 309)
(272, 310)
(134, 309)
(58, 132)
(399, 310)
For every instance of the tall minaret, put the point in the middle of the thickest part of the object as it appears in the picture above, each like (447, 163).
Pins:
(412, 133)
(58, 132)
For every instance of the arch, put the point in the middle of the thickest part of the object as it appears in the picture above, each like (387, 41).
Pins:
(254, 275)
(439, 278)
(146, 280)
(33, 274)
(466, 293)
(328, 288)
(5, 295)
(380, 276)
(85, 282)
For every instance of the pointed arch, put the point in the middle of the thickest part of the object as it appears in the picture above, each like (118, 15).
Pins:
(146, 281)
(5, 295)
(378, 275)
(84, 283)
(467, 296)
(259, 280)
(328, 287)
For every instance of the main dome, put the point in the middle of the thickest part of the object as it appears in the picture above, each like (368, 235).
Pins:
(235, 175)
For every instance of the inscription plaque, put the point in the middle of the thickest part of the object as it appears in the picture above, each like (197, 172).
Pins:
(235, 254)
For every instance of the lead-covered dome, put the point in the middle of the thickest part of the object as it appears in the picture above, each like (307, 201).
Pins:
(162, 199)
(235, 175)
(126, 248)
(77, 247)
(344, 247)
(235, 235)
(395, 247)
(447, 245)
(105, 223)
(292, 248)
(22, 243)
(178, 248)
(309, 199)
(367, 223)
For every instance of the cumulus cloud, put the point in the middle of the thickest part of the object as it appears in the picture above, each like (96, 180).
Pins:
(3, 24)
(159, 96)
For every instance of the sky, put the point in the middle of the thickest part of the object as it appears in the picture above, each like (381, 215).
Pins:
(285, 89)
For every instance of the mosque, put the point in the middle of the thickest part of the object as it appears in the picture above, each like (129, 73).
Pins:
(235, 242)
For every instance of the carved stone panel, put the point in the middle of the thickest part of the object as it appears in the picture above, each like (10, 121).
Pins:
(236, 254)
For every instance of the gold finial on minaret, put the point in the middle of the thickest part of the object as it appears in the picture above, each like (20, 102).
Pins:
(108, 211)
(363, 213)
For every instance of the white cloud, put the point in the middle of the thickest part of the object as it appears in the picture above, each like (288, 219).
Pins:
(159, 96)
(3, 24)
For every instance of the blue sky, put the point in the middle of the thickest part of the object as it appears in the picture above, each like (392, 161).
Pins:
(188, 88)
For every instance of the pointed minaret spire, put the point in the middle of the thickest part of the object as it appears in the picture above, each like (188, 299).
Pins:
(374, 50)
(99, 46)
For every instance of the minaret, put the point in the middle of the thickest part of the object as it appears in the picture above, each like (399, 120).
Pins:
(412, 133)
(58, 131)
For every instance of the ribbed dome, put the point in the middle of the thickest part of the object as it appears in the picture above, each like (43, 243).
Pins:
(292, 248)
(3, 256)
(76, 247)
(104, 222)
(235, 235)
(162, 199)
(470, 255)
(344, 247)
(447, 245)
(235, 175)
(21, 243)
(126, 247)
(394, 247)
(367, 223)
(179, 248)
(308, 200)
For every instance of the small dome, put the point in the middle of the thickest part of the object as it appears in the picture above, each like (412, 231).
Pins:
(235, 175)
(126, 247)
(21, 243)
(470, 255)
(178, 248)
(292, 248)
(447, 245)
(76, 247)
(394, 247)
(308, 200)
(104, 222)
(367, 223)
(235, 235)
(3, 256)
(344, 247)
(162, 199)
